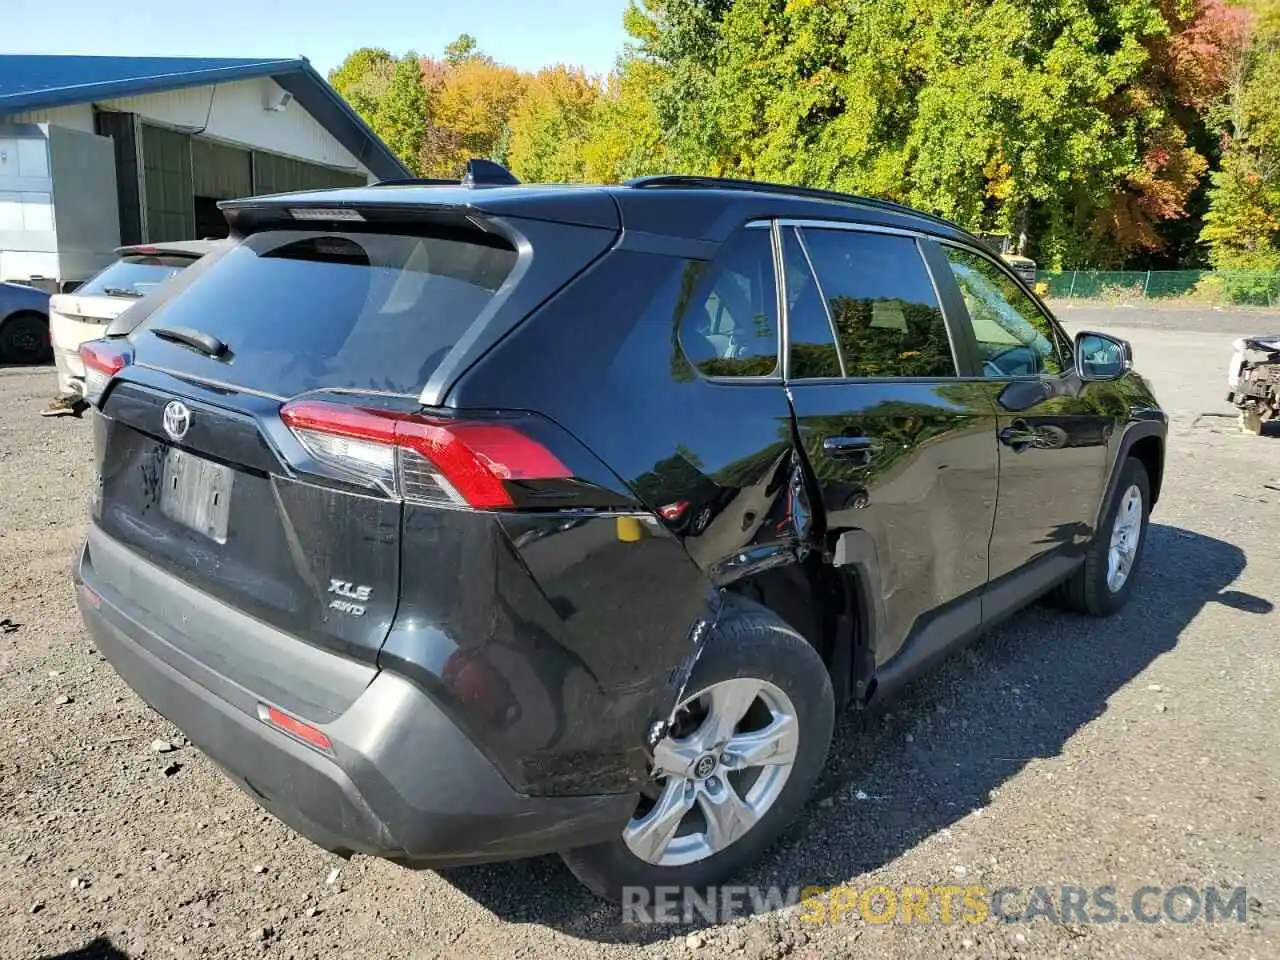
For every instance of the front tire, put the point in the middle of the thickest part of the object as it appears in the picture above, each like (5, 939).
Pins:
(1103, 583)
(746, 745)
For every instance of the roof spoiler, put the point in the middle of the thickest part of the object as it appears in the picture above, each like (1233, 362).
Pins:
(480, 173)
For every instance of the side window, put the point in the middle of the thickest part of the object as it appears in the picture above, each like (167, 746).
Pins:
(731, 326)
(882, 304)
(1014, 337)
(813, 345)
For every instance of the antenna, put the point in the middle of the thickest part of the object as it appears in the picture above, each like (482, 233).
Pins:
(486, 173)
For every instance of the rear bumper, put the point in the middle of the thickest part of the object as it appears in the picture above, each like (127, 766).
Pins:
(66, 336)
(401, 781)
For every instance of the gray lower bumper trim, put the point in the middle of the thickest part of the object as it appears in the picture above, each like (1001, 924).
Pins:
(403, 782)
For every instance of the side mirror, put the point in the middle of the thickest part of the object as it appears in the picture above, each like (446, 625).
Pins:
(1100, 357)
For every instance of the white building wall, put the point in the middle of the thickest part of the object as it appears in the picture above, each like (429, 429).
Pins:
(236, 112)
(77, 117)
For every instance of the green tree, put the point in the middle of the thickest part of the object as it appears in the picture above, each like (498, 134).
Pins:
(362, 79)
(626, 137)
(1242, 227)
(402, 113)
(388, 93)
(550, 125)
(460, 50)
(1067, 120)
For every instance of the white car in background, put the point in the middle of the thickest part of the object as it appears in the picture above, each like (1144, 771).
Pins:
(84, 314)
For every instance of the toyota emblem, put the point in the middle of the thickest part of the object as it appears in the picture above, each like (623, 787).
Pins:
(177, 419)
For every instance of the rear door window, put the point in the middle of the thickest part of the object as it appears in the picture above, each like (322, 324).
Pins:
(731, 326)
(809, 331)
(882, 304)
(300, 310)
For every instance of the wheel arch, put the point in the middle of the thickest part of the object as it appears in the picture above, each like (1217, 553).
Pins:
(1143, 440)
(24, 312)
(1149, 451)
(829, 606)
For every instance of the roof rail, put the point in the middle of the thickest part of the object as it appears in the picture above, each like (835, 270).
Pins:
(756, 186)
(480, 173)
(415, 182)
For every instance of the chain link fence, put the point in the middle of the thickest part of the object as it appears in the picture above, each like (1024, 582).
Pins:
(1205, 286)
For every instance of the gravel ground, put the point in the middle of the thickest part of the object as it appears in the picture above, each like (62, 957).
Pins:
(1057, 750)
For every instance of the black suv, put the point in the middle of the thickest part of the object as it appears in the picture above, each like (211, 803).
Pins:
(471, 522)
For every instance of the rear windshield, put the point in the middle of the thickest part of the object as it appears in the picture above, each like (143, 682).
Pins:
(301, 310)
(134, 276)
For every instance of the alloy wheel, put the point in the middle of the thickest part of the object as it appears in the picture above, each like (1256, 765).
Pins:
(1126, 534)
(723, 764)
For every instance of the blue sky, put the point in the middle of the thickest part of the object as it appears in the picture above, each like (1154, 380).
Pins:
(524, 33)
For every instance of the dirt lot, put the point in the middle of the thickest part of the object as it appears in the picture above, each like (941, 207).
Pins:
(1059, 750)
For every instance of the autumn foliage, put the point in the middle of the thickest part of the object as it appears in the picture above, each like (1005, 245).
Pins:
(1135, 132)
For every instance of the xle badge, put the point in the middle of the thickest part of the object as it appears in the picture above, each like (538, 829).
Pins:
(354, 597)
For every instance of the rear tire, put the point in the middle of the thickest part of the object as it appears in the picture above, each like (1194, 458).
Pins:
(1100, 588)
(24, 339)
(750, 649)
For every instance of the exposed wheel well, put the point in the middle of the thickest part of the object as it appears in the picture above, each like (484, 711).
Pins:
(1149, 451)
(819, 603)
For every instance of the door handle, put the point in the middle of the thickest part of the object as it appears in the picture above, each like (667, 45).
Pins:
(1019, 435)
(858, 449)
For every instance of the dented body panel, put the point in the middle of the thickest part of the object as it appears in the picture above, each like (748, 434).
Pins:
(925, 501)
(534, 650)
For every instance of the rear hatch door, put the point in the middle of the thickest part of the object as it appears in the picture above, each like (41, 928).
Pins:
(200, 474)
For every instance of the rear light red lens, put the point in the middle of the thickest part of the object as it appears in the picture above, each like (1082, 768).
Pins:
(294, 727)
(465, 462)
(673, 511)
(104, 357)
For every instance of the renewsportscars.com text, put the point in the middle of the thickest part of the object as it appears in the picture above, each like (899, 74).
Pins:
(973, 904)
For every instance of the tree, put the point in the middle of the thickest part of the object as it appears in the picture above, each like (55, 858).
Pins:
(402, 113)
(1097, 134)
(1077, 122)
(1242, 227)
(362, 78)
(389, 94)
(460, 50)
(551, 125)
(469, 114)
(626, 137)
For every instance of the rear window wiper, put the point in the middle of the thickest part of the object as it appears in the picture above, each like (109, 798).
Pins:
(205, 343)
(121, 292)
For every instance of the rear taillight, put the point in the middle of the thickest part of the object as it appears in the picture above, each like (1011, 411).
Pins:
(424, 459)
(672, 512)
(103, 359)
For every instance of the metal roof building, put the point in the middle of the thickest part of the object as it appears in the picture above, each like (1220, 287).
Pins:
(100, 151)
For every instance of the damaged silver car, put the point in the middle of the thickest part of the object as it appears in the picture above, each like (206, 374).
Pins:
(1254, 378)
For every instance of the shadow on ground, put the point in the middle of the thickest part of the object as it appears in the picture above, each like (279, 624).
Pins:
(98, 949)
(1018, 694)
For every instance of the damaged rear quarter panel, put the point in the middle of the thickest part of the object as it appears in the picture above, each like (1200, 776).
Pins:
(603, 360)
